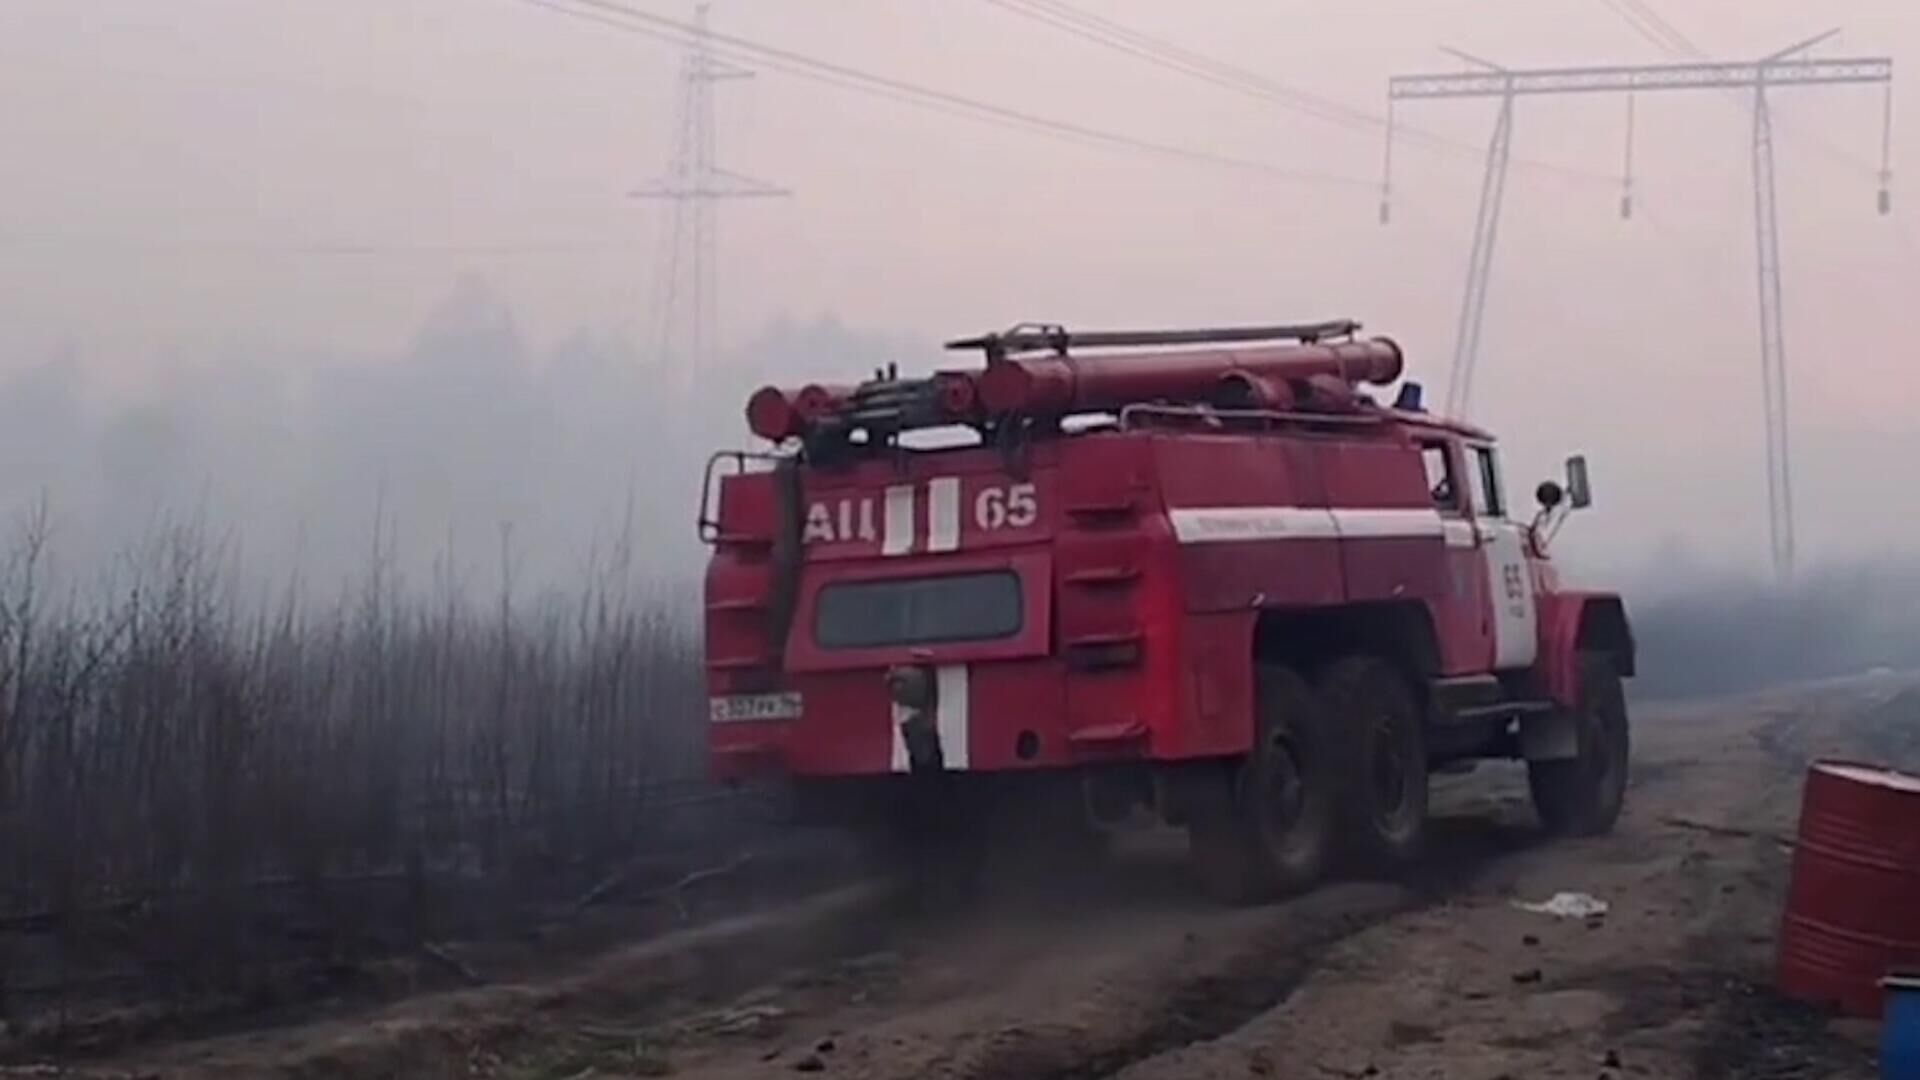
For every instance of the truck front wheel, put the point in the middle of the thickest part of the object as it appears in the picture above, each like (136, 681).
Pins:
(1582, 795)
(1263, 828)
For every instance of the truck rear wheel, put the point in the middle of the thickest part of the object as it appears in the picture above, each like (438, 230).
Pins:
(1582, 795)
(1265, 828)
(1383, 805)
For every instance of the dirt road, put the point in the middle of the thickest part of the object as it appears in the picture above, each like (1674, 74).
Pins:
(1130, 974)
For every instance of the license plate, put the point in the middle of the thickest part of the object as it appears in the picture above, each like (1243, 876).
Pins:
(750, 707)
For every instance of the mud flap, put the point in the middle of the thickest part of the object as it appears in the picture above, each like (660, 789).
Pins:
(922, 740)
(1552, 735)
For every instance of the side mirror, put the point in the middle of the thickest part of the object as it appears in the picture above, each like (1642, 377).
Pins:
(1578, 490)
(1549, 494)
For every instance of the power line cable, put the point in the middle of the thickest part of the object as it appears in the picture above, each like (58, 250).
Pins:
(1664, 28)
(648, 24)
(1164, 53)
(133, 243)
(1656, 30)
(562, 8)
(1172, 56)
(1651, 25)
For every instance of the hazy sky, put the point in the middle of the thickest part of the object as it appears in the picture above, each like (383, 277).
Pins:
(162, 166)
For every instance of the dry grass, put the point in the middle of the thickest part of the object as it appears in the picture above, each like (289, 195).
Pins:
(176, 759)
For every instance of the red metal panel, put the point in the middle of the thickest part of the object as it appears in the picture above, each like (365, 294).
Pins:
(1558, 615)
(1853, 907)
(845, 726)
(1215, 673)
(1008, 698)
(1557, 620)
(1373, 473)
(738, 628)
(747, 751)
(739, 586)
(1249, 471)
(1382, 475)
(1105, 581)
(1117, 565)
(1235, 470)
(746, 509)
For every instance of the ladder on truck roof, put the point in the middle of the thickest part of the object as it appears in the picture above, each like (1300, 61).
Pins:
(1055, 338)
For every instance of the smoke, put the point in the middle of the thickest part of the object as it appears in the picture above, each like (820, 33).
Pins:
(471, 458)
(1723, 634)
(468, 453)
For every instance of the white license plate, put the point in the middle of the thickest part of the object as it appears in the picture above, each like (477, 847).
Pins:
(749, 707)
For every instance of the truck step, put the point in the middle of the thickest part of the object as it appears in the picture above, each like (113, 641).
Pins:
(1452, 695)
(1500, 710)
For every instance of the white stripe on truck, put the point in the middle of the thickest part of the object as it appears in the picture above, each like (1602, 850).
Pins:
(896, 536)
(1215, 525)
(1390, 523)
(899, 762)
(1228, 524)
(943, 514)
(951, 713)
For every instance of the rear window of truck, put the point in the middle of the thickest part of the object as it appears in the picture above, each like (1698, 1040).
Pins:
(918, 611)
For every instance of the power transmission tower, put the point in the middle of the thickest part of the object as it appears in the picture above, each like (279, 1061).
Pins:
(1782, 70)
(687, 303)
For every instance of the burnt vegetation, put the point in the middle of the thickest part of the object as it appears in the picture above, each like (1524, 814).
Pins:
(339, 729)
(208, 797)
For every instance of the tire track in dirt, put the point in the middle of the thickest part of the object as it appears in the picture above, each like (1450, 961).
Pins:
(1696, 912)
(1127, 973)
(467, 1033)
(1263, 974)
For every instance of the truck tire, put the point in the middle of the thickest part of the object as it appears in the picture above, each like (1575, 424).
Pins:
(1267, 828)
(1582, 796)
(1383, 804)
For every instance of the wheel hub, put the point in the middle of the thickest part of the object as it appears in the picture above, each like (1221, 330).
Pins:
(1285, 794)
(1389, 771)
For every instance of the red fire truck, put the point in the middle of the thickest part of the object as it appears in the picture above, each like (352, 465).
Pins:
(1204, 573)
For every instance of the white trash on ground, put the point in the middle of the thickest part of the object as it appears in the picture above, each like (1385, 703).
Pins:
(1567, 905)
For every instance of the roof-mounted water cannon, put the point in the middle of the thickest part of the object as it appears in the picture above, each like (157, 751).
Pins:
(773, 414)
(816, 403)
(878, 406)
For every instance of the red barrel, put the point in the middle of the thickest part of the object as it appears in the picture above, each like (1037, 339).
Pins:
(1853, 908)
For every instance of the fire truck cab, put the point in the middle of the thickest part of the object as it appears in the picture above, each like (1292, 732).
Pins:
(1200, 572)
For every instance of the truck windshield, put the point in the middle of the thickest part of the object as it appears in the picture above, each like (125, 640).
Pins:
(918, 611)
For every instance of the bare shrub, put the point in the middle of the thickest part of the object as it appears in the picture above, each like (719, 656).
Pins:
(172, 751)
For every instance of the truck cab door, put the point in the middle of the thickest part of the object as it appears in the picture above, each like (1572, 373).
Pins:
(1502, 544)
(1460, 610)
